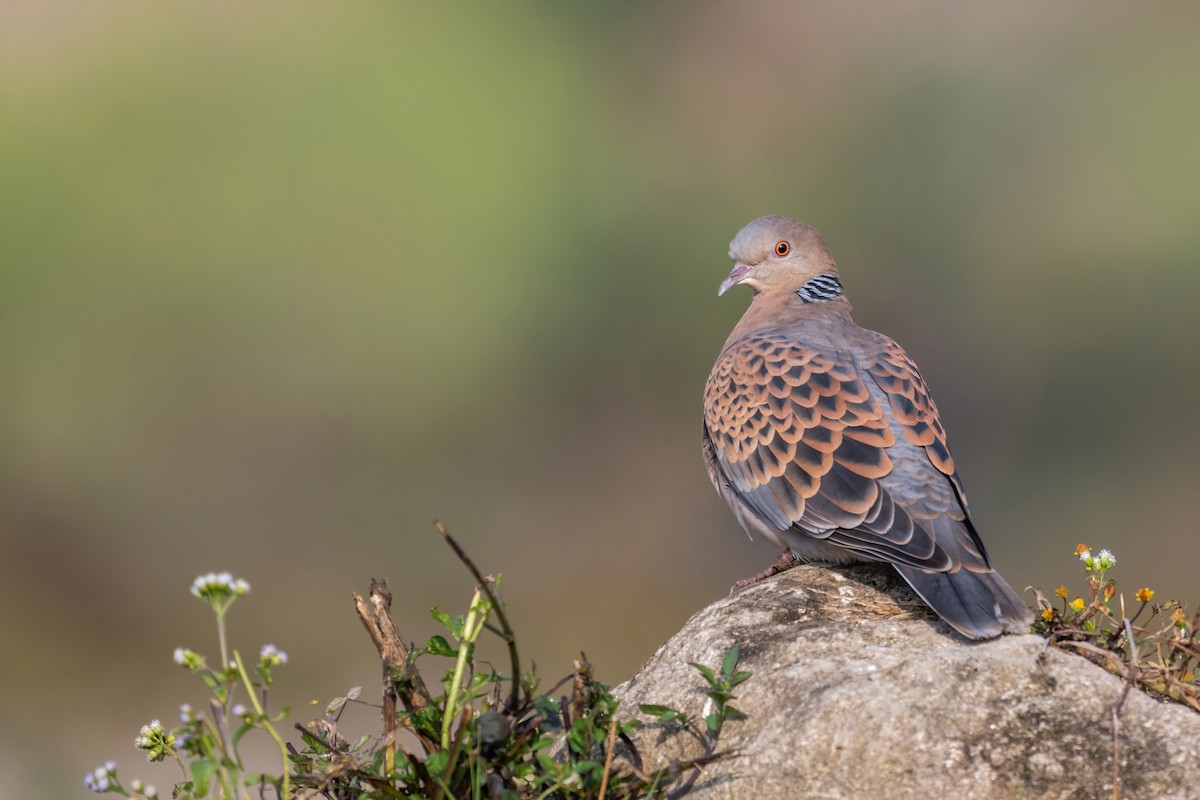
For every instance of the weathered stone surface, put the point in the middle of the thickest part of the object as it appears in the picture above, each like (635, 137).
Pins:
(859, 692)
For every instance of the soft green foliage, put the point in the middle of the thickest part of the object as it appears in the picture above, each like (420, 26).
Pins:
(1156, 648)
(482, 735)
(720, 692)
(206, 748)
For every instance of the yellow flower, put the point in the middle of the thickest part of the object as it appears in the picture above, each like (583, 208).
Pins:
(1048, 614)
(1077, 604)
(1145, 594)
(1081, 549)
(1061, 592)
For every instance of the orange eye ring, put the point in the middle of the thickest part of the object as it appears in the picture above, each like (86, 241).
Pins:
(782, 248)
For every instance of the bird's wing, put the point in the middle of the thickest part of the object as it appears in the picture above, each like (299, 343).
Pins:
(933, 496)
(806, 444)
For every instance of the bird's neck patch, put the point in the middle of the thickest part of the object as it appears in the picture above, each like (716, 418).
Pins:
(825, 286)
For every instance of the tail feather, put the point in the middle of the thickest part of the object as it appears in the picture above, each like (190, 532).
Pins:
(979, 605)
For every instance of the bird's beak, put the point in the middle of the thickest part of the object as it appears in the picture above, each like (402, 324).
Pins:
(736, 276)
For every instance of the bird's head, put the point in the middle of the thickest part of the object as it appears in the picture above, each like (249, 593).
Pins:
(777, 254)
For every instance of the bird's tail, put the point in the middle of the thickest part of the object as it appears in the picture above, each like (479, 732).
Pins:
(979, 605)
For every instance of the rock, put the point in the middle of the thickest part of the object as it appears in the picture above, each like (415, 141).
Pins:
(858, 691)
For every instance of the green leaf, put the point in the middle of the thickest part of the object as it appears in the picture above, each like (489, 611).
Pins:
(550, 710)
(730, 662)
(544, 742)
(440, 616)
(707, 672)
(457, 627)
(242, 730)
(733, 713)
(719, 696)
(436, 762)
(713, 722)
(739, 677)
(665, 714)
(203, 771)
(438, 646)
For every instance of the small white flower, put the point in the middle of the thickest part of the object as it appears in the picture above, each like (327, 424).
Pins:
(180, 654)
(1084, 555)
(136, 786)
(272, 655)
(238, 710)
(1106, 555)
(146, 735)
(150, 792)
(185, 712)
(97, 779)
(219, 583)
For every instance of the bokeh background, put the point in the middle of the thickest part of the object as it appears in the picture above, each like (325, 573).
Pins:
(282, 281)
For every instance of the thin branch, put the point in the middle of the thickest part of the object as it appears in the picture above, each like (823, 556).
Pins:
(514, 697)
(612, 735)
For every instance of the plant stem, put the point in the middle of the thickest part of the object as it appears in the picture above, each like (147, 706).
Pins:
(261, 716)
(472, 627)
(221, 636)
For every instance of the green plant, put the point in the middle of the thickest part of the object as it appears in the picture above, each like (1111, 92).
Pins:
(481, 734)
(1159, 654)
(719, 692)
(206, 748)
(1155, 649)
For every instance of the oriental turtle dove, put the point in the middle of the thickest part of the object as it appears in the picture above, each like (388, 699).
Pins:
(822, 436)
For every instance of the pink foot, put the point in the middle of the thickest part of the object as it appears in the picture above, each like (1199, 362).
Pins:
(787, 559)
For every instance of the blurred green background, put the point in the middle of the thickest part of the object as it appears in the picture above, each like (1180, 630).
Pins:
(282, 281)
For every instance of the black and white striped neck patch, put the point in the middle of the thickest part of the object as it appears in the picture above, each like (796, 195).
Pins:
(825, 286)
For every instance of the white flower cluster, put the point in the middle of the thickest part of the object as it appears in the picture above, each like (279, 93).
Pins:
(148, 735)
(98, 780)
(219, 583)
(1101, 562)
(140, 790)
(272, 656)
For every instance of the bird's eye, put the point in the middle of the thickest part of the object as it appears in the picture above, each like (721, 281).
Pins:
(782, 248)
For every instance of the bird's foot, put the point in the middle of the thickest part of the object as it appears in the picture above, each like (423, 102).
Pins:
(787, 559)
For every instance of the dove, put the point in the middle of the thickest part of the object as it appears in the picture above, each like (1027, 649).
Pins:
(823, 438)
